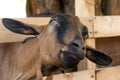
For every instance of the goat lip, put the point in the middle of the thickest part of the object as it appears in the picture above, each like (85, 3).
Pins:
(73, 54)
(68, 59)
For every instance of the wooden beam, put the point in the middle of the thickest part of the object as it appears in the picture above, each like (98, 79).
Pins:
(112, 73)
(106, 26)
(84, 9)
(82, 75)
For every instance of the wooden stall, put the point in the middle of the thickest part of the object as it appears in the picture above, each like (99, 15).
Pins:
(111, 73)
(104, 34)
(104, 31)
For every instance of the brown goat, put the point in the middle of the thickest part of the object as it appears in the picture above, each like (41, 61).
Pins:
(56, 46)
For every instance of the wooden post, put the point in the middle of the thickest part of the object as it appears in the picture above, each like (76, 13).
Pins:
(91, 42)
(84, 8)
(111, 73)
(86, 64)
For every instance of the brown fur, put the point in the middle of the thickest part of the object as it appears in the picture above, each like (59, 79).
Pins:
(57, 46)
(23, 61)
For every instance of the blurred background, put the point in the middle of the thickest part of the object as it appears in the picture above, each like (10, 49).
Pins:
(30, 8)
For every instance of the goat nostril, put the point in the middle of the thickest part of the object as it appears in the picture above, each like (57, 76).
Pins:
(75, 44)
(83, 48)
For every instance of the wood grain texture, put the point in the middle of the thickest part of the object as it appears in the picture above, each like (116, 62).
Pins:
(106, 26)
(92, 43)
(112, 73)
(84, 8)
(82, 75)
(88, 22)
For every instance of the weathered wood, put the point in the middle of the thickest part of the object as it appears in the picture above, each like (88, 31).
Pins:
(84, 8)
(7, 36)
(87, 21)
(106, 26)
(82, 75)
(112, 73)
(92, 43)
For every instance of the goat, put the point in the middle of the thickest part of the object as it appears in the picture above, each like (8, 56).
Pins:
(59, 45)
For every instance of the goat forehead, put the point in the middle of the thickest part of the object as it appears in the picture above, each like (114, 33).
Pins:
(62, 19)
(65, 25)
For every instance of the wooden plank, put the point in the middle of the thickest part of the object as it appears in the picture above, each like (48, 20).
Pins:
(82, 75)
(106, 26)
(7, 36)
(87, 21)
(84, 8)
(112, 73)
(91, 42)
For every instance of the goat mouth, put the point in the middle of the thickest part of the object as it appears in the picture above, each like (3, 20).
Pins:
(69, 59)
(77, 55)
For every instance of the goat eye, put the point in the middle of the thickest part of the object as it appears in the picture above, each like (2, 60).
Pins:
(54, 23)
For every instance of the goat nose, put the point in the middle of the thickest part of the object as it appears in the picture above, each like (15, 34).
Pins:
(75, 43)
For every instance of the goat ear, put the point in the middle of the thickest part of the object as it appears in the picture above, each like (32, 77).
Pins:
(97, 57)
(18, 27)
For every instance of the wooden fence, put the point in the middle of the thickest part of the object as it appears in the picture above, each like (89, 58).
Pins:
(104, 34)
(104, 31)
(107, 26)
(111, 73)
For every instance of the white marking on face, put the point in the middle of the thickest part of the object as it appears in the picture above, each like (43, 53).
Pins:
(51, 28)
(52, 25)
